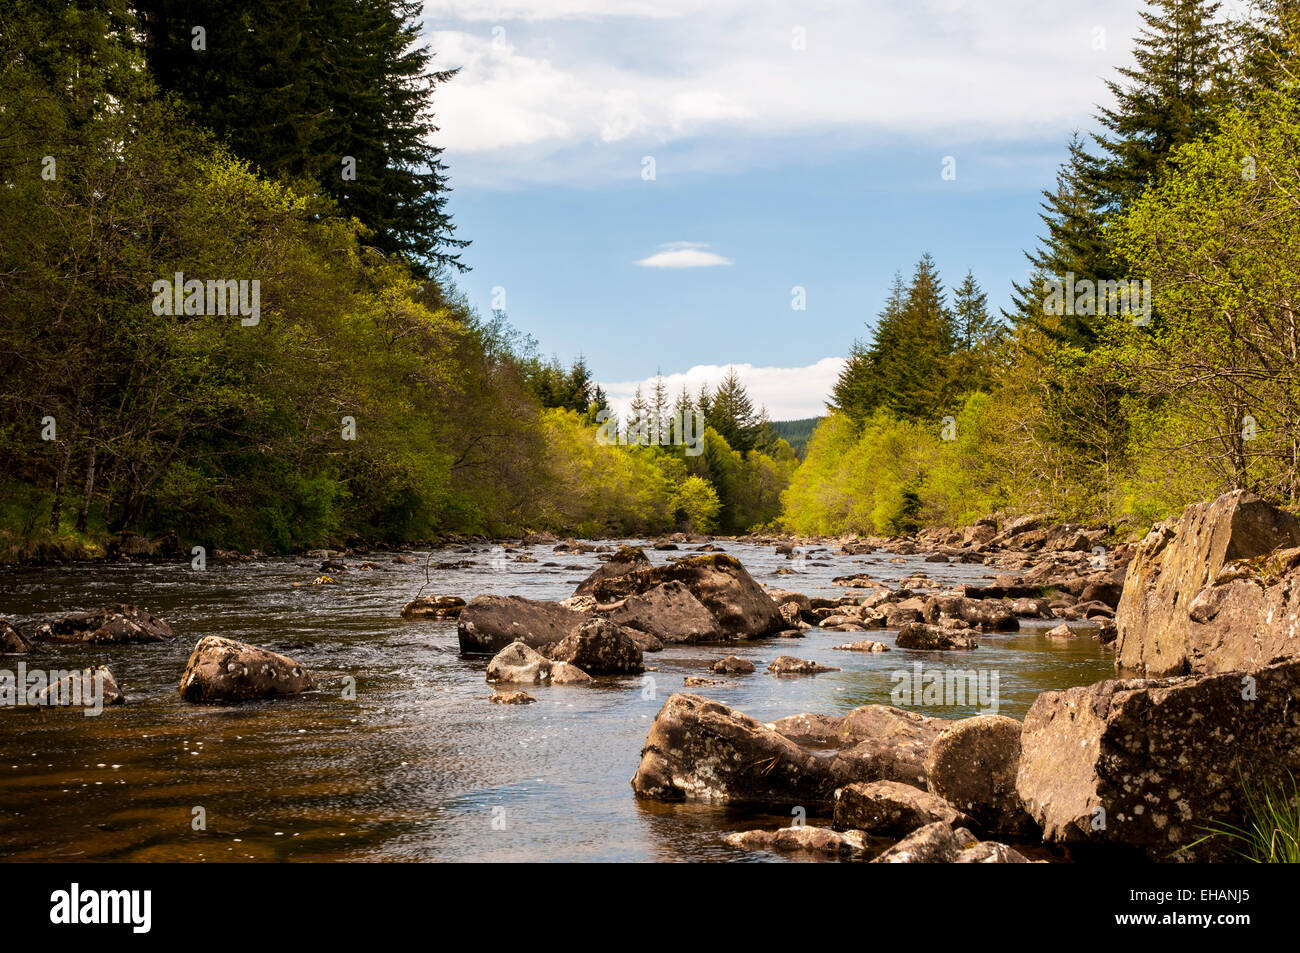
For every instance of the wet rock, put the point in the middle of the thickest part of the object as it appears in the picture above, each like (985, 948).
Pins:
(918, 635)
(643, 640)
(991, 852)
(222, 669)
(789, 665)
(989, 615)
(737, 603)
(669, 612)
(599, 647)
(805, 838)
(1176, 561)
(1062, 632)
(865, 645)
(622, 562)
(700, 749)
(1031, 608)
(519, 664)
(973, 765)
(935, 843)
(899, 615)
(81, 689)
(892, 809)
(732, 665)
(111, 624)
(12, 641)
(695, 681)
(1160, 757)
(433, 607)
(490, 623)
(511, 698)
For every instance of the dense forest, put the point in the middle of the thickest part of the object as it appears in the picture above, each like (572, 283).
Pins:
(1150, 360)
(228, 310)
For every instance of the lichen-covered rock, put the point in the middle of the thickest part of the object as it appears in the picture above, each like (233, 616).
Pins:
(1179, 559)
(519, 664)
(599, 647)
(891, 808)
(489, 623)
(789, 665)
(1148, 762)
(806, 838)
(620, 563)
(919, 635)
(668, 612)
(433, 607)
(936, 843)
(701, 749)
(973, 766)
(222, 670)
(112, 624)
(737, 603)
(884, 743)
(989, 615)
(732, 665)
(811, 730)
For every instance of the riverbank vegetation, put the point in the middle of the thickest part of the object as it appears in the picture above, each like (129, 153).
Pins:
(356, 394)
(1104, 402)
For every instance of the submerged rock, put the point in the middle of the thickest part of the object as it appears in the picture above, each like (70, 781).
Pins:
(114, 623)
(222, 669)
(511, 698)
(81, 688)
(12, 641)
(866, 645)
(732, 665)
(433, 607)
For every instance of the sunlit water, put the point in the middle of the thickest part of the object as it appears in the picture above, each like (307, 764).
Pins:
(420, 766)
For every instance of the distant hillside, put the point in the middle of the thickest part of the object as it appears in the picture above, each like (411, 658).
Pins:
(796, 432)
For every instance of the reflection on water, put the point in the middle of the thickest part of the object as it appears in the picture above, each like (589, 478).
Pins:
(419, 766)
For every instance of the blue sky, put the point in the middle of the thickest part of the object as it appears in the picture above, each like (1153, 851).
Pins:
(793, 145)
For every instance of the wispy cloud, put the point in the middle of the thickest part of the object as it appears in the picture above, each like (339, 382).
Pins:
(684, 255)
(788, 393)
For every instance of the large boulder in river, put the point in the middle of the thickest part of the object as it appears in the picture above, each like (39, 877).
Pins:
(12, 641)
(919, 635)
(518, 664)
(490, 623)
(973, 766)
(221, 670)
(1147, 763)
(599, 647)
(1176, 562)
(669, 612)
(700, 749)
(115, 623)
(884, 743)
(738, 604)
(620, 564)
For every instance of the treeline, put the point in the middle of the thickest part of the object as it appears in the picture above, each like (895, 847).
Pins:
(226, 307)
(1100, 397)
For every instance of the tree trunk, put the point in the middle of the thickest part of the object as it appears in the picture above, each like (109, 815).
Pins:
(83, 513)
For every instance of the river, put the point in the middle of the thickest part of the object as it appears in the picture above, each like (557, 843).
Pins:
(419, 767)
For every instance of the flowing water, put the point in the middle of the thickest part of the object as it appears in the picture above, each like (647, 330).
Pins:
(419, 766)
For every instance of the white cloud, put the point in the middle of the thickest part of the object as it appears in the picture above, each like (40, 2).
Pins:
(571, 76)
(788, 393)
(684, 255)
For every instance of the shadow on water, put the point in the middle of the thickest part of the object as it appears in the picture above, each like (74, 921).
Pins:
(419, 766)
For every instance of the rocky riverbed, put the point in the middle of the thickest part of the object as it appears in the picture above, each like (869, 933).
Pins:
(768, 698)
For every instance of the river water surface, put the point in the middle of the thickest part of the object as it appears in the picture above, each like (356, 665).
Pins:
(419, 766)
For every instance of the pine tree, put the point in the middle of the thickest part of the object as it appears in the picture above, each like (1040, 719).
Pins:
(659, 431)
(304, 89)
(977, 336)
(733, 415)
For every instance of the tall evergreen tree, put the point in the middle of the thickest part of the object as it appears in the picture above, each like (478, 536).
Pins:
(339, 92)
(732, 413)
